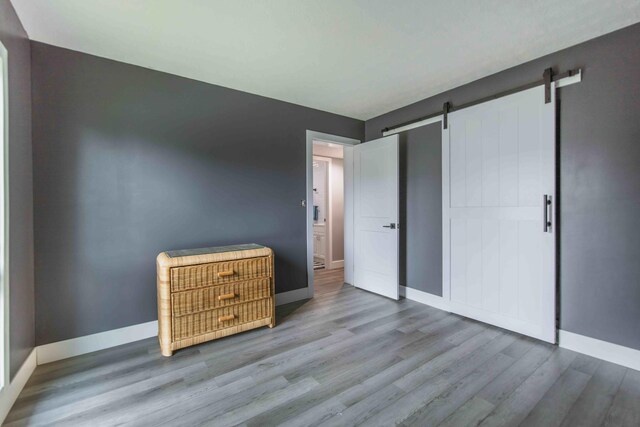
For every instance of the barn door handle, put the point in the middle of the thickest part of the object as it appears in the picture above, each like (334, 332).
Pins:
(546, 208)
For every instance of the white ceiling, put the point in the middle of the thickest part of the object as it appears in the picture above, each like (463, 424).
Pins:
(359, 58)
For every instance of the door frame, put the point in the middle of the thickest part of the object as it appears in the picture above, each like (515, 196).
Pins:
(348, 202)
(4, 228)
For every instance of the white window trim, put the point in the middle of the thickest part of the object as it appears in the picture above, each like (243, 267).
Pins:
(4, 225)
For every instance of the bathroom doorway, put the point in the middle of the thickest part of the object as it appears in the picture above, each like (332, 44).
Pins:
(329, 206)
(321, 217)
(328, 216)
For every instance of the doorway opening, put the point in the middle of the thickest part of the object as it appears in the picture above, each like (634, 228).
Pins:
(329, 206)
(328, 215)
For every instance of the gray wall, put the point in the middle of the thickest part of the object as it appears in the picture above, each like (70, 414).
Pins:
(599, 178)
(129, 162)
(14, 38)
(421, 209)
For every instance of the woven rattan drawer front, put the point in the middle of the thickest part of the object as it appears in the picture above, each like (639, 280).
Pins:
(191, 325)
(196, 276)
(211, 297)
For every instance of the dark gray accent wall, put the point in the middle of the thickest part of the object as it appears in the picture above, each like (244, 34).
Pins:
(599, 178)
(14, 38)
(421, 209)
(129, 162)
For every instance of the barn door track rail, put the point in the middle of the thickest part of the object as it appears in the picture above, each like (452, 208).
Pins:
(562, 79)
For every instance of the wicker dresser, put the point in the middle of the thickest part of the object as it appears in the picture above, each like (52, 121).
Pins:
(209, 293)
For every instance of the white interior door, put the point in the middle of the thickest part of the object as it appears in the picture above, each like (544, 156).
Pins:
(376, 199)
(499, 258)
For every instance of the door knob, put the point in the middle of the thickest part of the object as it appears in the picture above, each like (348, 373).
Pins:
(391, 226)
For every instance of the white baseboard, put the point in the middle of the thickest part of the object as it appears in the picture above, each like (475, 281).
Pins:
(94, 342)
(336, 264)
(10, 393)
(99, 341)
(425, 298)
(292, 296)
(599, 349)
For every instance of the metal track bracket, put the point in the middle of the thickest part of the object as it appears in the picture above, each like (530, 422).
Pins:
(547, 76)
(445, 111)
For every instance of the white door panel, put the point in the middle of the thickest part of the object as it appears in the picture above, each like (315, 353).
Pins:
(376, 197)
(500, 163)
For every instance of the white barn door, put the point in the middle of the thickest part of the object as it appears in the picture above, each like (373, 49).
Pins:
(498, 173)
(376, 204)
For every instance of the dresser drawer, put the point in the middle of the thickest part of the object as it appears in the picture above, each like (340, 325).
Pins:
(191, 325)
(197, 276)
(188, 302)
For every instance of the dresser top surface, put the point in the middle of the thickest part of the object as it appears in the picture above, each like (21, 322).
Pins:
(180, 258)
(213, 250)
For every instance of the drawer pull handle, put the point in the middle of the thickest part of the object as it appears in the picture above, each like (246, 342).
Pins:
(226, 296)
(225, 273)
(226, 318)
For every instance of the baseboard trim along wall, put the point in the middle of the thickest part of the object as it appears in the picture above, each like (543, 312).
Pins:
(599, 349)
(115, 337)
(94, 342)
(425, 298)
(614, 353)
(10, 393)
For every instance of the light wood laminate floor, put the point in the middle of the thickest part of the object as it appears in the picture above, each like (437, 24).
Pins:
(347, 357)
(328, 280)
